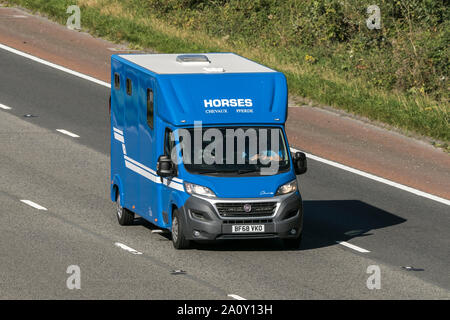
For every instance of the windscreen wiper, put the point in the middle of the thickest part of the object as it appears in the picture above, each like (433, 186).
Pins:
(214, 171)
(244, 171)
(239, 171)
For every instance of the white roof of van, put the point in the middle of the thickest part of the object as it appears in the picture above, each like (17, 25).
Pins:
(195, 63)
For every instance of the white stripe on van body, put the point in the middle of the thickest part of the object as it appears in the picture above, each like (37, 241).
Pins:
(118, 137)
(177, 180)
(140, 165)
(173, 184)
(145, 171)
(151, 175)
(153, 178)
(142, 172)
(118, 131)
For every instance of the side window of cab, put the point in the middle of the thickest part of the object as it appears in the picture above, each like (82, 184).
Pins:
(169, 142)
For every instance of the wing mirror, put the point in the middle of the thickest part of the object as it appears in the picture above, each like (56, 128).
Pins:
(300, 163)
(165, 167)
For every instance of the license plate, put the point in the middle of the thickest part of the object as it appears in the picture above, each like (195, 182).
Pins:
(244, 228)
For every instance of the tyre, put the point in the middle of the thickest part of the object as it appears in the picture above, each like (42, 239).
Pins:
(294, 243)
(124, 216)
(178, 232)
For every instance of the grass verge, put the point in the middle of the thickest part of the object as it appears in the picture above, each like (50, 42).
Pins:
(321, 81)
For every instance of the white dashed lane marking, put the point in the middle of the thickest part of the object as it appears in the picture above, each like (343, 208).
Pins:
(70, 134)
(352, 246)
(2, 106)
(34, 205)
(126, 248)
(236, 297)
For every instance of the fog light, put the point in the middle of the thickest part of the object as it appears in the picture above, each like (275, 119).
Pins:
(196, 233)
(293, 231)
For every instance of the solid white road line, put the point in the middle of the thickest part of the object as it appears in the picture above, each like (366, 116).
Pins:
(126, 248)
(329, 162)
(73, 135)
(2, 106)
(235, 296)
(376, 178)
(55, 66)
(34, 205)
(352, 246)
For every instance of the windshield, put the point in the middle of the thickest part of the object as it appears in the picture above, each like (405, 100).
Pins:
(234, 150)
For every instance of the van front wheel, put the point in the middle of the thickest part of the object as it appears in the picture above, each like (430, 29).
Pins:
(178, 238)
(124, 216)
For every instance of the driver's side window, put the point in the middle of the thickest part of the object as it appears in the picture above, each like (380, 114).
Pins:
(169, 142)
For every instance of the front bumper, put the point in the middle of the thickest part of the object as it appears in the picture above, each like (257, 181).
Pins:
(202, 218)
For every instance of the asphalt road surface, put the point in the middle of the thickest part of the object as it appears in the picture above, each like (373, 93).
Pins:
(71, 220)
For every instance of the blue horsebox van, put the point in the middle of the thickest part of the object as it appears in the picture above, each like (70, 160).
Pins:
(198, 148)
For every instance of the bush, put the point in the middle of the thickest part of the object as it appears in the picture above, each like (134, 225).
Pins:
(397, 74)
(410, 52)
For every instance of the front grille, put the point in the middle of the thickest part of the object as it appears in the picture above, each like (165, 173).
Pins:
(233, 221)
(258, 209)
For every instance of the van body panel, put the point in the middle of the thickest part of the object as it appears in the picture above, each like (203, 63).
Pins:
(182, 101)
(261, 96)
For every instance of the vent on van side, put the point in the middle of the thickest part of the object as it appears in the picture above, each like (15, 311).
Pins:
(193, 58)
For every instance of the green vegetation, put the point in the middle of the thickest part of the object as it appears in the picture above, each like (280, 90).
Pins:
(397, 74)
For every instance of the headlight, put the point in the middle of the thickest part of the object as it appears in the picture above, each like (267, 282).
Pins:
(287, 188)
(195, 189)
